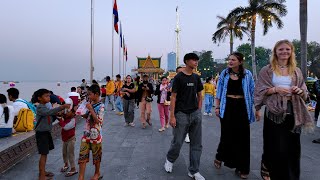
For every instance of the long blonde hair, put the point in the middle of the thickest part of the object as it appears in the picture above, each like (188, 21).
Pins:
(292, 63)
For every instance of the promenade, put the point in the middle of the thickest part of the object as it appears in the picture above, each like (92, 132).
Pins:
(132, 153)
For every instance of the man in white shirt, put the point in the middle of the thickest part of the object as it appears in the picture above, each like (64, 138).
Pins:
(74, 96)
(18, 103)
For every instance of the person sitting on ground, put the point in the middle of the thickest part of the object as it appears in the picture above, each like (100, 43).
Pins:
(18, 103)
(6, 117)
(74, 96)
(68, 131)
(43, 129)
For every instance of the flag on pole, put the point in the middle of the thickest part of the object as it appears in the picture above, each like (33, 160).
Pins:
(115, 16)
(124, 47)
(120, 35)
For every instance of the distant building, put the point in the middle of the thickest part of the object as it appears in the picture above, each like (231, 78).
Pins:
(220, 61)
(171, 61)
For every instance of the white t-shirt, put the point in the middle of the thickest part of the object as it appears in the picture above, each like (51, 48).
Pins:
(9, 124)
(17, 105)
(74, 94)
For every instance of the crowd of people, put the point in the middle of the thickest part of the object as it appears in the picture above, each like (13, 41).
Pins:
(237, 100)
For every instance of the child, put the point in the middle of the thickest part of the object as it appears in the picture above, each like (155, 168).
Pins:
(43, 129)
(6, 117)
(68, 124)
(209, 91)
(92, 139)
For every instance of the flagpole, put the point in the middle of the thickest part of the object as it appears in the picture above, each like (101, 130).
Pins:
(112, 42)
(120, 50)
(123, 74)
(92, 39)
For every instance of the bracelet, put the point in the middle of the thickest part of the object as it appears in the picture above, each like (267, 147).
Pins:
(274, 90)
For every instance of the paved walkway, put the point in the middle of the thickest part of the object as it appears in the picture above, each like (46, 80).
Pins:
(132, 153)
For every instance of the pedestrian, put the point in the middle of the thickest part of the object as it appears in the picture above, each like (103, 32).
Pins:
(136, 84)
(95, 82)
(43, 129)
(84, 83)
(68, 131)
(92, 138)
(103, 93)
(281, 88)
(186, 117)
(128, 91)
(110, 88)
(6, 118)
(316, 90)
(163, 93)
(209, 92)
(234, 104)
(118, 101)
(145, 92)
(74, 96)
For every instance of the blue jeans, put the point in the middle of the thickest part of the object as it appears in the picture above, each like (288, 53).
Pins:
(5, 132)
(208, 102)
(109, 98)
(118, 104)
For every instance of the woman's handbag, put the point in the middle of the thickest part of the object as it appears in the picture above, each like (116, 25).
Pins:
(166, 103)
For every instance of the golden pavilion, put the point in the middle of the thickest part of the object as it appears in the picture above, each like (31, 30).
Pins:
(150, 66)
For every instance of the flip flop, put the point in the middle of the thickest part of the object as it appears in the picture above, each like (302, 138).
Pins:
(71, 173)
(317, 141)
(64, 168)
(240, 175)
(148, 121)
(217, 164)
(49, 174)
(98, 178)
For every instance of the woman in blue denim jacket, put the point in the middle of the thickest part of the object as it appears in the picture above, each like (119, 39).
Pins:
(234, 107)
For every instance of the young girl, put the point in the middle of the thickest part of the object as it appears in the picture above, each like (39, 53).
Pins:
(6, 117)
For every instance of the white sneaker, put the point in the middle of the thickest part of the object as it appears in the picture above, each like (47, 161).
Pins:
(187, 139)
(168, 166)
(196, 176)
(210, 114)
(205, 114)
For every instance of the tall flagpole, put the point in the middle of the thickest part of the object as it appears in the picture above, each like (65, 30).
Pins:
(92, 41)
(123, 74)
(120, 38)
(112, 42)
(177, 30)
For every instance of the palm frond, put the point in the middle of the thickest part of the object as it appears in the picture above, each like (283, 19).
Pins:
(280, 9)
(220, 35)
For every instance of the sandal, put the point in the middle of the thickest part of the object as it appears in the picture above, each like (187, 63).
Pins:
(49, 174)
(240, 175)
(217, 164)
(71, 173)
(98, 178)
(64, 168)
(265, 174)
(148, 121)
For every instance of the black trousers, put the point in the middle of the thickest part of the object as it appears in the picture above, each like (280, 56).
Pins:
(281, 149)
(317, 110)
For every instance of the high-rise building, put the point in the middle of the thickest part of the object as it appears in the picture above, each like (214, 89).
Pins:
(171, 61)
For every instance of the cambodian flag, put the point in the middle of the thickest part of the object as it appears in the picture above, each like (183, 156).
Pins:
(115, 16)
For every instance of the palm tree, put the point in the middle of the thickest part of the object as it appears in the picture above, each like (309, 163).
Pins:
(231, 27)
(303, 35)
(269, 12)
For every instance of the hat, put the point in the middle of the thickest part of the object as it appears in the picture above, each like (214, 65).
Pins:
(69, 101)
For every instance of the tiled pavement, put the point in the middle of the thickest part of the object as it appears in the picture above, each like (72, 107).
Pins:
(132, 153)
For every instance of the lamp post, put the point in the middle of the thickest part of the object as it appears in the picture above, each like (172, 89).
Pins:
(91, 47)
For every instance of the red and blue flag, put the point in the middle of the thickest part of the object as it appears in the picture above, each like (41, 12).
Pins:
(115, 16)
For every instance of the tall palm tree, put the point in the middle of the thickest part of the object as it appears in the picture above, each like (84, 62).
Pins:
(269, 12)
(231, 27)
(303, 35)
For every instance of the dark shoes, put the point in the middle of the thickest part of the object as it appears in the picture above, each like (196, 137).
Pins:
(317, 141)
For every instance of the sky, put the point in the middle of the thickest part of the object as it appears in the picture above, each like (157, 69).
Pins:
(50, 40)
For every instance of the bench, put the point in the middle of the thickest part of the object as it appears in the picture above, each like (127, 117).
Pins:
(19, 146)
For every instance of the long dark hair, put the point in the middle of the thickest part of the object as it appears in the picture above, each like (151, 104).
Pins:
(3, 100)
(240, 57)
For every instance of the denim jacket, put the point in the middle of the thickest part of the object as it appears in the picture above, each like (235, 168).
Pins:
(248, 90)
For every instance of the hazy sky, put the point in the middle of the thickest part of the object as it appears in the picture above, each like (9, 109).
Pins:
(50, 40)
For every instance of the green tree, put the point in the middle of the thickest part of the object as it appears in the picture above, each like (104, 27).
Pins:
(206, 64)
(262, 56)
(303, 35)
(231, 27)
(269, 11)
(313, 54)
